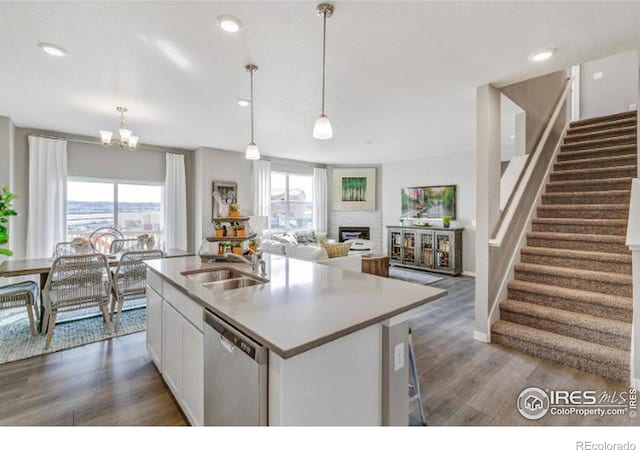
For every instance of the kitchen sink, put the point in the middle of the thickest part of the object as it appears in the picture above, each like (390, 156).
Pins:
(211, 275)
(232, 283)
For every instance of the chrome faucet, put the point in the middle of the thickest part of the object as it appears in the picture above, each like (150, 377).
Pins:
(256, 262)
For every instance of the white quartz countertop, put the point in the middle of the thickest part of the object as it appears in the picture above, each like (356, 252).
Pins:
(304, 304)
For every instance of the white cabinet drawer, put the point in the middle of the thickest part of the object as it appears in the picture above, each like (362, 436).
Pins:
(155, 281)
(191, 310)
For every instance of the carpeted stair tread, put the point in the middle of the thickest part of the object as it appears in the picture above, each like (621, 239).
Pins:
(566, 272)
(562, 221)
(578, 237)
(577, 295)
(616, 150)
(616, 227)
(568, 318)
(592, 171)
(584, 349)
(604, 125)
(584, 197)
(583, 135)
(599, 142)
(597, 162)
(584, 211)
(578, 259)
(578, 254)
(613, 183)
(608, 243)
(630, 115)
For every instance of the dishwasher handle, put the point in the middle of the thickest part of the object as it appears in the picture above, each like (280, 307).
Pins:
(236, 339)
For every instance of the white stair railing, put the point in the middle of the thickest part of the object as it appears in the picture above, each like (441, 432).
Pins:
(633, 242)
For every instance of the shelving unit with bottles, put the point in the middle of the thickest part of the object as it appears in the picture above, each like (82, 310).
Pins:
(434, 249)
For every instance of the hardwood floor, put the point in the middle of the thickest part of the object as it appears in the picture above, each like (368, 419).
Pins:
(111, 382)
(464, 382)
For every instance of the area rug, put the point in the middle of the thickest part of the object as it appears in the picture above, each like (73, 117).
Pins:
(17, 343)
(413, 276)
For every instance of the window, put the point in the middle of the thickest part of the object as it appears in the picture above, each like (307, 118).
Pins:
(291, 201)
(132, 208)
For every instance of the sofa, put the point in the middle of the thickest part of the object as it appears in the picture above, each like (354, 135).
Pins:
(304, 245)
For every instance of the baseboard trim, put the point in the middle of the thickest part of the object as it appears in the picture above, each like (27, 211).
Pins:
(469, 274)
(482, 337)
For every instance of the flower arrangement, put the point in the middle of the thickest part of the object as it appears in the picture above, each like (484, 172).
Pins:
(234, 210)
(237, 248)
(146, 241)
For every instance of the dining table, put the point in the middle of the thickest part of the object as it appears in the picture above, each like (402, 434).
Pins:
(42, 266)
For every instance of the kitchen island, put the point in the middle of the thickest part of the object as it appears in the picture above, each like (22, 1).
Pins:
(329, 346)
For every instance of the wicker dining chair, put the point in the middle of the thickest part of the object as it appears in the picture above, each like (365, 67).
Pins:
(124, 245)
(71, 248)
(76, 282)
(129, 279)
(22, 295)
(102, 238)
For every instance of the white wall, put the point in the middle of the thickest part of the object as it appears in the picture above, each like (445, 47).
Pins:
(454, 168)
(615, 91)
(219, 165)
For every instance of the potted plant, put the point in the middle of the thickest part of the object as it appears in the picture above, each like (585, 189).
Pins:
(220, 248)
(253, 246)
(234, 210)
(6, 211)
(240, 229)
(446, 221)
(219, 230)
(237, 248)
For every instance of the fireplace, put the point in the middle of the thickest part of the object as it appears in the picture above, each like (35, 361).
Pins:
(349, 233)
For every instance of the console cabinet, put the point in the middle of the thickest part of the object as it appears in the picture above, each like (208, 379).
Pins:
(433, 249)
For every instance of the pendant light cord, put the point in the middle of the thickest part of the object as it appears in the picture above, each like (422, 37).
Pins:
(324, 53)
(251, 73)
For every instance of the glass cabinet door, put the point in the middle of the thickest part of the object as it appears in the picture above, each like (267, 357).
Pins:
(443, 254)
(395, 243)
(426, 250)
(409, 247)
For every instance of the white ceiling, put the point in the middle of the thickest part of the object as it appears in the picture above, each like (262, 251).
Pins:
(401, 75)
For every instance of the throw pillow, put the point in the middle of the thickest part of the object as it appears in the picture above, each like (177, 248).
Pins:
(285, 238)
(305, 237)
(336, 250)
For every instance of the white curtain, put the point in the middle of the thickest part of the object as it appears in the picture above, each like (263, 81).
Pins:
(47, 217)
(175, 203)
(320, 205)
(262, 188)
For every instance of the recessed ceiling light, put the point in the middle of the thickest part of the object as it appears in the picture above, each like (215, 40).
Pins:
(244, 102)
(52, 49)
(228, 23)
(541, 55)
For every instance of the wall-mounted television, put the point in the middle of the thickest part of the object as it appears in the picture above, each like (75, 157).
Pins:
(428, 202)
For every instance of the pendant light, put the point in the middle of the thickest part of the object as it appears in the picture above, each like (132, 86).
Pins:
(322, 128)
(252, 151)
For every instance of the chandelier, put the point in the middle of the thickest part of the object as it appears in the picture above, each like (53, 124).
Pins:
(126, 139)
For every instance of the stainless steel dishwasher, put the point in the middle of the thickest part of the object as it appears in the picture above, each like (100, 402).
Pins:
(235, 376)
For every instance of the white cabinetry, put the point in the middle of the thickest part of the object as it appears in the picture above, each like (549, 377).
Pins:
(175, 342)
(154, 326)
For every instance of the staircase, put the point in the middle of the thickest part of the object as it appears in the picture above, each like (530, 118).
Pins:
(570, 299)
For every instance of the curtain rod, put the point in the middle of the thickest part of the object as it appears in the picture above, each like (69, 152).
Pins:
(58, 138)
